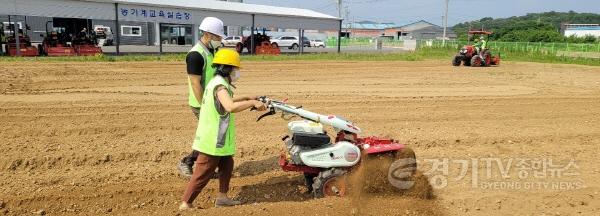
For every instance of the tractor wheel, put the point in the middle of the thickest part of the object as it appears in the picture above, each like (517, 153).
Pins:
(467, 62)
(496, 60)
(330, 183)
(249, 47)
(476, 61)
(40, 50)
(487, 59)
(239, 47)
(457, 60)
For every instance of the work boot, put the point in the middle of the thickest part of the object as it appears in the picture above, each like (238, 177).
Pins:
(185, 169)
(185, 207)
(225, 202)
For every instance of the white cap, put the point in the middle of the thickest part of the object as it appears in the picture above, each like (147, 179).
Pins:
(212, 25)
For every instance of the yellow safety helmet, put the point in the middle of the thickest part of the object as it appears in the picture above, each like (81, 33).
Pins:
(227, 57)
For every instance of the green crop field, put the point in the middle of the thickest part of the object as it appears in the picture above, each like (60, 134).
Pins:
(521, 46)
(424, 52)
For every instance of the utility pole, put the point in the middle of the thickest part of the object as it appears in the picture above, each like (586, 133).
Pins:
(347, 12)
(339, 38)
(445, 24)
(339, 7)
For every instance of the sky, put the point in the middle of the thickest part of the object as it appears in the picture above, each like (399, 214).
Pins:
(408, 11)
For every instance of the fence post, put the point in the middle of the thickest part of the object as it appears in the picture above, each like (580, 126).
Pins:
(521, 48)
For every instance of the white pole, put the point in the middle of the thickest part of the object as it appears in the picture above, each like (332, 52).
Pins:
(17, 38)
(445, 24)
(339, 7)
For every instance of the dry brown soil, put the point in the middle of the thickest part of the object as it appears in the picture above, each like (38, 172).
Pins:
(104, 138)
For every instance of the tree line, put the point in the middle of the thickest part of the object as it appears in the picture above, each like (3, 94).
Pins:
(533, 27)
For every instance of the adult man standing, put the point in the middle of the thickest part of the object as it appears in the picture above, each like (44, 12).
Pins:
(200, 71)
(2, 39)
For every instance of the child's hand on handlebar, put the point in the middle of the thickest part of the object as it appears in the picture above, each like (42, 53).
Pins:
(259, 106)
(263, 99)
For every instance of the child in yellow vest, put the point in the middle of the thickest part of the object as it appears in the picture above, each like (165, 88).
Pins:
(215, 140)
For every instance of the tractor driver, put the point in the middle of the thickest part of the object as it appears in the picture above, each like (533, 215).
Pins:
(483, 43)
(53, 40)
(2, 40)
(2, 37)
(2, 34)
(478, 45)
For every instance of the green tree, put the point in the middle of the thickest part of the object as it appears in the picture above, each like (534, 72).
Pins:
(534, 27)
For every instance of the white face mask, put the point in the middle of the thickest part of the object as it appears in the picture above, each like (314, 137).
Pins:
(214, 44)
(235, 75)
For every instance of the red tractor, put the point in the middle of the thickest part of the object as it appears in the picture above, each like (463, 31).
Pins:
(55, 44)
(24, 44)
(85, 45)
(262, 45)
(474, 55)
(25, 47)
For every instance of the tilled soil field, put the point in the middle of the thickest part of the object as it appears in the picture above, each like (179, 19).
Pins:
(104, 138)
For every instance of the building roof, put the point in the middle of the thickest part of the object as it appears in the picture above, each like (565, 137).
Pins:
(368, 25)
(581, 28)
(228, 7)
(231, 13)
(417, 25)
(584, 24)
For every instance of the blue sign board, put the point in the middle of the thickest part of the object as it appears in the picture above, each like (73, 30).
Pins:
(154, 14)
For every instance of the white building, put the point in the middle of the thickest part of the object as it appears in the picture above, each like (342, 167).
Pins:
(233, 30)
(581, 30)
(153, 22)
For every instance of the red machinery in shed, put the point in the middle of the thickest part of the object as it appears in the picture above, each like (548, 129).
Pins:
(25, 47)
(262, 44)
(55, 43)
(85, 45)
(23, 44)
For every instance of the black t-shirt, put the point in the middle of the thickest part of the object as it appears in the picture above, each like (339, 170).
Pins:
(195, 65)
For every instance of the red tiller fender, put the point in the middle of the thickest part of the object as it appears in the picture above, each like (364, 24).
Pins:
(378, 145)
